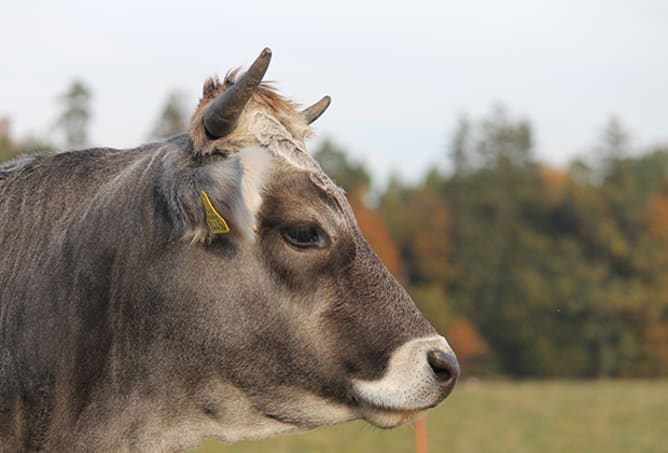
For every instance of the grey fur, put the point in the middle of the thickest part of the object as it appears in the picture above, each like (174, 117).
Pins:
(117, 333)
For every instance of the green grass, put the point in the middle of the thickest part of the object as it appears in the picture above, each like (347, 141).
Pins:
(558, 416)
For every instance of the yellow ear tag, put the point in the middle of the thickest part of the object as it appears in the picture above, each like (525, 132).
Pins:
(216, 222)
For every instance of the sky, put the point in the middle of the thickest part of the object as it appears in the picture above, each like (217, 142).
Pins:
(400, 73)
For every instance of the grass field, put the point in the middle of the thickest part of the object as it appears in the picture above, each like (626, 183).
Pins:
(559, 416)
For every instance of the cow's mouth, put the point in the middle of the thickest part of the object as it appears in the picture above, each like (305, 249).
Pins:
(387, 418)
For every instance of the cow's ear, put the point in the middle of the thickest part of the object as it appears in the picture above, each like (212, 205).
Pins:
(230, 194)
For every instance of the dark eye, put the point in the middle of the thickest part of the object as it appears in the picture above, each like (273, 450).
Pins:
(304, 236)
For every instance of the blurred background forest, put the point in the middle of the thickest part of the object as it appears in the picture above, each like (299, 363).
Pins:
(530, 270)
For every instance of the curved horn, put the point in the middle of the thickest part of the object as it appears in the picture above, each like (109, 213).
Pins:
(220, 117)
(313, 112)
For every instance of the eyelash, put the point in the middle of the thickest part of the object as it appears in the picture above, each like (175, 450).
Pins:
(305, 236)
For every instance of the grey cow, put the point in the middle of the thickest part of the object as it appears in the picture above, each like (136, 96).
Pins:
(214, 284)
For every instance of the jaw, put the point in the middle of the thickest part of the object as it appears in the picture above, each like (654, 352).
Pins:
(293, 411)
(312, 412)
(387, 418)
(407, 388)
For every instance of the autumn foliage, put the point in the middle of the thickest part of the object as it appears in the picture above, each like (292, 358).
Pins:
(376, 233)
(528, 269)
(466, 340)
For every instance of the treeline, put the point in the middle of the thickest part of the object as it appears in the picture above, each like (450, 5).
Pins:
(69, 129)
(529, 270)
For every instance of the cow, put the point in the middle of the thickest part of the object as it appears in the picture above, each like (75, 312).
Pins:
(211, 285)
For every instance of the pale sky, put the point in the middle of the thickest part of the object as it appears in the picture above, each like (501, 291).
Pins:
(399, 73)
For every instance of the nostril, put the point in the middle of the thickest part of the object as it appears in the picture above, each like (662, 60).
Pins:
(443, 364)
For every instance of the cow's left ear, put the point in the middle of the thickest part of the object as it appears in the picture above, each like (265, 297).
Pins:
(231, 189)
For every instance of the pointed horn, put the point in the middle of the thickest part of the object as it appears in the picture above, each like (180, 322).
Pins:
(220, 117)
(313, 112)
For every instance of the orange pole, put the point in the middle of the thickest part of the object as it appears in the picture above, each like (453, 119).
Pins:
(421, 434)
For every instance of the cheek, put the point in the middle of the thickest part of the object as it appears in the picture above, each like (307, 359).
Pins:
(362, 351)
(289, 350)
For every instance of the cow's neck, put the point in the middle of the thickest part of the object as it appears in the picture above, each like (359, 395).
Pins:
(174, 423)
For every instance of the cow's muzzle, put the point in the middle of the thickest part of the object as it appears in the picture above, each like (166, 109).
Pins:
(419, 375)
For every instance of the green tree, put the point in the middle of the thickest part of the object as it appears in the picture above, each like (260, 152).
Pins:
(6, 151)
(76, 114)
(615, 141)
(10, 149)
(558, 273)
(419, 220)
(173, 118)
(504, 141)
(352, 176)
(460, 153)
(504, 256)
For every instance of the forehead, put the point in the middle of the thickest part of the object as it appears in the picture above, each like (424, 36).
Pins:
(274, 123)
(296, 179)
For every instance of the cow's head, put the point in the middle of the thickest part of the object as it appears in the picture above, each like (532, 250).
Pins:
(294, 320)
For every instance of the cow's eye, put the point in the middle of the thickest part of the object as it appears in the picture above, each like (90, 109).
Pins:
(304, 236)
